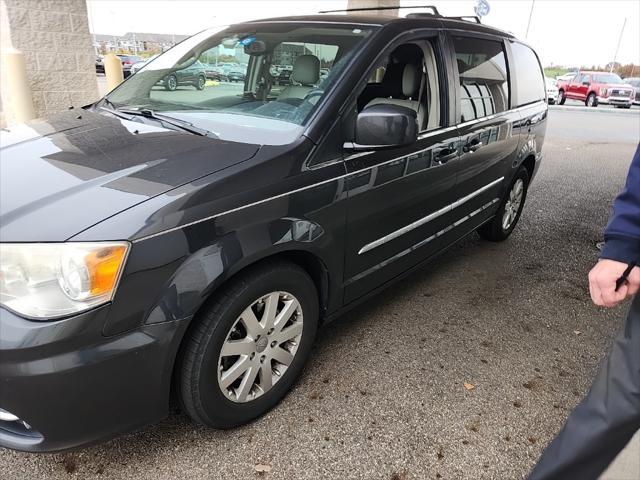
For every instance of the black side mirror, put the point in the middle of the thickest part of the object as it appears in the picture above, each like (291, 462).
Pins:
(385, 125)
(586, 83)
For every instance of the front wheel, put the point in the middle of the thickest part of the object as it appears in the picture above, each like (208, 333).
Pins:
(592, 100)
(508, 214)
(171, 83)
(249, 345)
(561, 98)
(200, 83)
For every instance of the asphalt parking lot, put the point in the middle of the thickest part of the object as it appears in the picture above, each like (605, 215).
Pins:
(383, 396)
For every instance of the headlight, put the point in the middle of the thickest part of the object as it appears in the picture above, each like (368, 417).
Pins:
(603, 91)
(49, 280)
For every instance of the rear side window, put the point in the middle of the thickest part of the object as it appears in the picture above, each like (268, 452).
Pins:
(528, 74)
(484, 89)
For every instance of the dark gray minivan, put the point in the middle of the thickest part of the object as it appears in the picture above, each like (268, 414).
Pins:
(185, 245)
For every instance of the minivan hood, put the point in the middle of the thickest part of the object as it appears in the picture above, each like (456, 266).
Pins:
(61, 176)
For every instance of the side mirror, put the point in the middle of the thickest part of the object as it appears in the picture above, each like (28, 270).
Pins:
(586, 83)
(383, 126)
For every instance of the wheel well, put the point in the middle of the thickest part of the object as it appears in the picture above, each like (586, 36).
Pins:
(316, 270)
(530, 164)
(309, 262)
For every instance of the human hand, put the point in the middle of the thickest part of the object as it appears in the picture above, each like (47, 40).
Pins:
(602, 283)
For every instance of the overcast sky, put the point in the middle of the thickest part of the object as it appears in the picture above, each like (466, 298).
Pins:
(566, 32)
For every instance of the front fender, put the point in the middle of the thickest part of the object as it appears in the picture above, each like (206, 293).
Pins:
(183, 270)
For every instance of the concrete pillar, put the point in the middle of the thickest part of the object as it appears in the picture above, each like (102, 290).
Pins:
(20, 96)
(113, 71)
(373, 4)
(54, 37)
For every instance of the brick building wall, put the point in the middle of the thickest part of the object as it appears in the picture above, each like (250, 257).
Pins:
(54, 37)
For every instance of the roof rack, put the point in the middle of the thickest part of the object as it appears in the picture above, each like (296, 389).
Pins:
(370, 9)
(434, 12)
(467, 18)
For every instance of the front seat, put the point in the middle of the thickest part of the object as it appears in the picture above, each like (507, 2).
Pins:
(306, 73)
(411, 76)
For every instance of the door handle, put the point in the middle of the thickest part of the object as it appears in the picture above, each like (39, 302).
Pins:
(472, 146)
(446, 154)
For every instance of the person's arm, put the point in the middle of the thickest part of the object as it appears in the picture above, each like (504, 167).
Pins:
(622, 235)
(622, 245)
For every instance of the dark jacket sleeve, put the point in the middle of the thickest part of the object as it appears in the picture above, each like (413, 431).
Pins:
(622, 235)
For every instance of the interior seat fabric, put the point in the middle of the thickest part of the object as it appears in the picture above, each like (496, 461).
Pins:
(305, 76)
(411, 83)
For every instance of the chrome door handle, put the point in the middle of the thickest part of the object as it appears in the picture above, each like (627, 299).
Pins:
(472, 147)
(444, 155)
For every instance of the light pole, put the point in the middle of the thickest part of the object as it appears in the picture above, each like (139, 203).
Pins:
(533, 2)
(615, 55)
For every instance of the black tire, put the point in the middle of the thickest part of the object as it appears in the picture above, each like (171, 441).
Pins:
(200, 393)
(170, 83)
(592, 100)
(200, 83)
(494, 230)
(561, 98)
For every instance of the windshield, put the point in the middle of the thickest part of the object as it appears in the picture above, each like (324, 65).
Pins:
(608, 78)
(261, 81)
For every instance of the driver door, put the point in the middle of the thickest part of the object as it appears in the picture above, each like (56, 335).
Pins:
(399, 198)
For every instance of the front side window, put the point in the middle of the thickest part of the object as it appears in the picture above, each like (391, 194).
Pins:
(407, 76)
(529, 76)
(482, 66)
(256, 83)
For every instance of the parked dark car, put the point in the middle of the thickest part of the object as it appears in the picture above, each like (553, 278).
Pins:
(284, 77)
(195, 75)
(635, 83)
(162, 247)
(235, 76)
(216, 73)
(127, 62)
(99, 64)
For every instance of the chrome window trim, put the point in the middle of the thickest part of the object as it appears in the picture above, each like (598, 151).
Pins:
(424, 220)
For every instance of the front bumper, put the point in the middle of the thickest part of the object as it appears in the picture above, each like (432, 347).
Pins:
(74, 386)
(615, 100)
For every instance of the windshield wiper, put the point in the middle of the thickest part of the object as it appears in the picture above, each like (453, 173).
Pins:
(176, 122)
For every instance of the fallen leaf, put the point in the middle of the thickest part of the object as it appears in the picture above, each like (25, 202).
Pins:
(469, 386)
(263, 468)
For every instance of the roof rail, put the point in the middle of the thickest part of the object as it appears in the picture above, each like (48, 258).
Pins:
(370, 9)
(467, 18)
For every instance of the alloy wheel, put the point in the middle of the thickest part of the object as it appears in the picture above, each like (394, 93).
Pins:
(260, 346)
(512, 207)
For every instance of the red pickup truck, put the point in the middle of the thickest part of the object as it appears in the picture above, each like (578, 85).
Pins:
(596, 87)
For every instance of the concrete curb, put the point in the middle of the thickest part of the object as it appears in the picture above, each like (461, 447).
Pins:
(630, 111)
